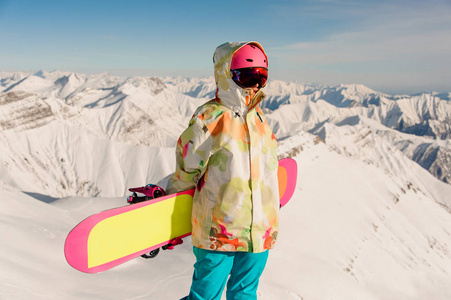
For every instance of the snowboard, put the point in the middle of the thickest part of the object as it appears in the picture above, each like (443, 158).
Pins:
(112, 237)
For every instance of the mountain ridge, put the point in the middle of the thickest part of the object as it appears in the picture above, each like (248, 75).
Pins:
(151, 111)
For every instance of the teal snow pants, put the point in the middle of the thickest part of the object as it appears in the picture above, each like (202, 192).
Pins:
(212, 269)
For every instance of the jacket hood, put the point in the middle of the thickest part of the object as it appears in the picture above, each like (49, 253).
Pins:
(228, 92)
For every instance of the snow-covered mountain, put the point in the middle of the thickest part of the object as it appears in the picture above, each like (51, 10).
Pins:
(153, 112)
(370, 218)
(60, 131)
(313, 107)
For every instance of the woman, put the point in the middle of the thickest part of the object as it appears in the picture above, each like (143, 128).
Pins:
(229, 153)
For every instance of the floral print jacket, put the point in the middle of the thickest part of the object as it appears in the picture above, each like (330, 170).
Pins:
(229, 154)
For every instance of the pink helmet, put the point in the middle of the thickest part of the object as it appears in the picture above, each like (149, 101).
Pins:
(249, 56)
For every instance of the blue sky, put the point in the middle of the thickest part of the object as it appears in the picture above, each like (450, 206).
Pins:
(394, 46)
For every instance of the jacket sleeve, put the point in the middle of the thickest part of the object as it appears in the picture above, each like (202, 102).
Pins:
(192, 153)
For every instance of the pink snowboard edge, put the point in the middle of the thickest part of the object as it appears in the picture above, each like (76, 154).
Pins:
(291, 167)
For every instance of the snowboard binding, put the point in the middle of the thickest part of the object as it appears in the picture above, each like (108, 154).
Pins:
(172, 243)
(150, 191)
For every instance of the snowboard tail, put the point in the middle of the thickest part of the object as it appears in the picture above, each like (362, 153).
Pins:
(114, 236)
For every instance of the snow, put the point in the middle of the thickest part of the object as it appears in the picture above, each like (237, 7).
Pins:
(365, 222)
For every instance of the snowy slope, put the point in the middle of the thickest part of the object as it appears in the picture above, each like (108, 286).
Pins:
(351, 231)
(368, 220)
(360, 232)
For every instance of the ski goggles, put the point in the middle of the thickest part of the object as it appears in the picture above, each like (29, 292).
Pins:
(249, 77)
